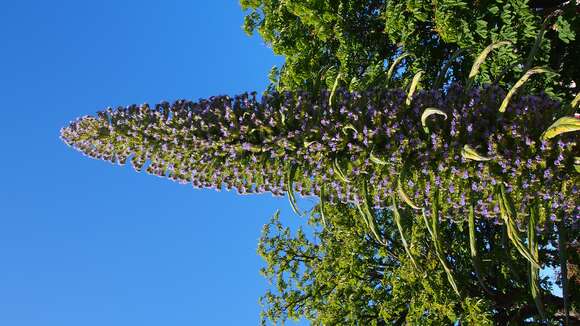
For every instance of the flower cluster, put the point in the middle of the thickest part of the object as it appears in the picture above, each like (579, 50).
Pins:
(374, 137)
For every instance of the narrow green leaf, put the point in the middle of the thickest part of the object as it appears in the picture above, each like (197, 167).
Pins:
(367, 214)
(338, 171)
(308, 143)
(481, 58)
(562, 239)
(540, 37)
(575, 101)
(437, 242)
(443, 73)
(404, 196)
(413, 87)
(535, 47)
(290, 190)
(507, 212)
(397, 219)
(348, 127)
(427, 223)
(475, 261)
(395, 64)
(331, 97)
(428, 112)
(377, 160)
(321, 207)
(534, 271)
(469, 153)
(562, 125)
(370, 214)
(520, 83)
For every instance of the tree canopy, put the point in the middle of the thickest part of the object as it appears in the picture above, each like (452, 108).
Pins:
(357, 40)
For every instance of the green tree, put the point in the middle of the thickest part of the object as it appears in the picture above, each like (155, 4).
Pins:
(339, 275)
(321, 39)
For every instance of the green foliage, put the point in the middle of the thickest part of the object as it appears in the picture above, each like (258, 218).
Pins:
(339, 275)
(360, 39)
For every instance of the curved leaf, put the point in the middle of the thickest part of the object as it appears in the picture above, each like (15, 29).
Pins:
(367, 214)
(397, 219)
(321, 207)
(562, 125)
(404, 196)
(575, 101)
(290, 190)
(443, 73)
(349, 127)
(520, 83)
(338, 171)
(331, 97)
(377, 160)
(413, 87)
(395, 64)
(481, 58)
(507, 212)
(428, 112)
(438, 244)
(475, 262)
(469, 153)
(534, 271)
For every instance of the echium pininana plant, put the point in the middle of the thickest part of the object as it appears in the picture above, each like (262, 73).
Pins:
(454, 150)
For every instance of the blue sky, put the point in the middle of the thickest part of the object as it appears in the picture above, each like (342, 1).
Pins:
(83, 242)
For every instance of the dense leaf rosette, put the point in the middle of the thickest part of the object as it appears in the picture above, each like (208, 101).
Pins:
(473, 154)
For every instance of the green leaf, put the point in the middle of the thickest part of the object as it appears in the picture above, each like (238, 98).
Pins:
(348, 127)
(321, 207)
(508, 212)
(367, 214)
(562, 239)
(330, 98)
(443, 72)
(562, 125)
(475, 261)
(469, 153)
(428, 112)
(438, 244)
(404, 196)
(534, 271)
(426, 220)
(339, 172)
(413, 87)
(397, 219)
(565, 32)
(290, 190)
(481, 58)
(520, 83)
(377, 160)
(575, 101)
(395, 64)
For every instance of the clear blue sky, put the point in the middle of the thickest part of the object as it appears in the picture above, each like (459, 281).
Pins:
(83, 242)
